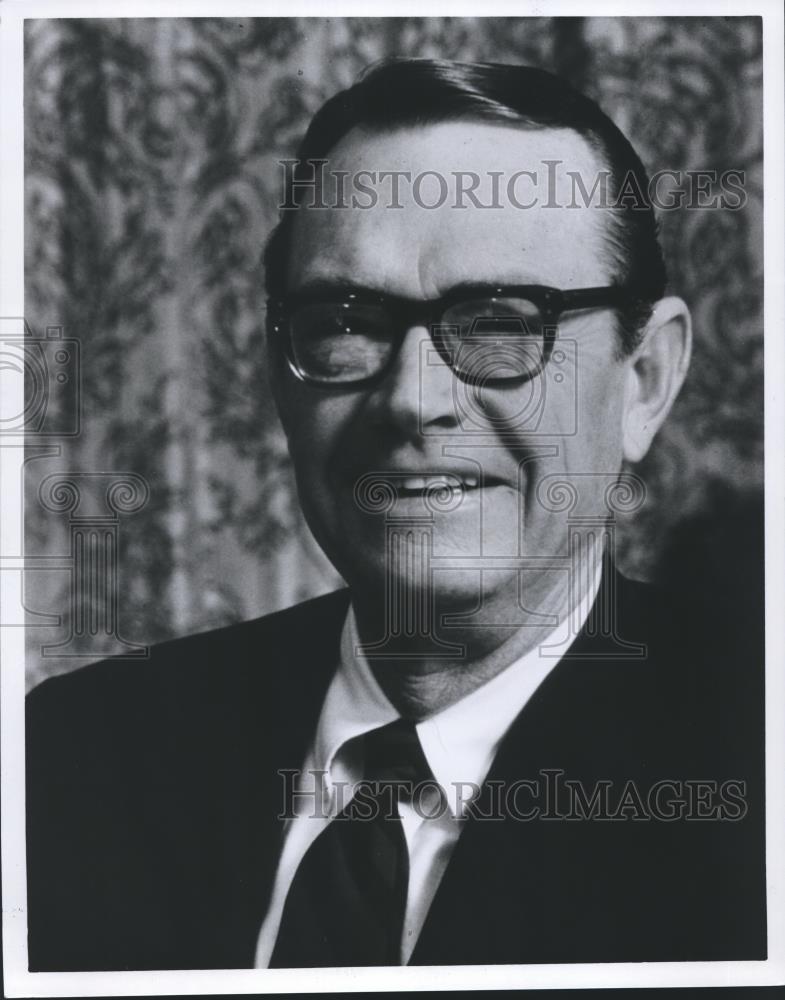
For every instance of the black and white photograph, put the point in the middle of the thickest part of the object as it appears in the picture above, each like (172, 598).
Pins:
(393, 498)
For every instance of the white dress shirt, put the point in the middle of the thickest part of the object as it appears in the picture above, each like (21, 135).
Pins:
(459, 744)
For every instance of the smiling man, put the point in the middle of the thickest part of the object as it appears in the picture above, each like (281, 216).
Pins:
(366, 389)
(491, 747)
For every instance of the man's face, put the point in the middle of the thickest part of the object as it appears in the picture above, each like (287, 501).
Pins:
(420, 422)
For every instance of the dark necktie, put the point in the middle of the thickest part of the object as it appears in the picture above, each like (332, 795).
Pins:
(347, 901)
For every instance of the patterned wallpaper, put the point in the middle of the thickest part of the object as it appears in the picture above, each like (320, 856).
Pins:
(151, 184)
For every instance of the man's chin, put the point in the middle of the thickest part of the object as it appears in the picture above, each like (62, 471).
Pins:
(451, 588)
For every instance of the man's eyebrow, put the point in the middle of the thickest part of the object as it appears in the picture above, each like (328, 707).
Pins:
(516, 281)
(335, 285)
(332, 285)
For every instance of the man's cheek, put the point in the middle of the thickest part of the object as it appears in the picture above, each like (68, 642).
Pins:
(545, 407)
(309, 430)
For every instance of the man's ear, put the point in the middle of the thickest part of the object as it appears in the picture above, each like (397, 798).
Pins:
(656, 370)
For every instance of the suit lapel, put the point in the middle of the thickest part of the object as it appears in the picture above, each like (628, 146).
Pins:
(268, 721)
(513, 887)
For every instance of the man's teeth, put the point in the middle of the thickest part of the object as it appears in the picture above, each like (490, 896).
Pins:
(455, 483)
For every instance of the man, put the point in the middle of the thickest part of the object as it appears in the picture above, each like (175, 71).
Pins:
(492, 748)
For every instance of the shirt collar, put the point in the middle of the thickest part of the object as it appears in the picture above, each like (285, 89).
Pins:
(459, 742)
(355, 703)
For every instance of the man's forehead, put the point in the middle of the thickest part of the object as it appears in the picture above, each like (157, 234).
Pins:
(462, 145)
(431, 206)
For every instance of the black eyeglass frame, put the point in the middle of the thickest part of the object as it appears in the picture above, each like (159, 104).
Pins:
(405, 313)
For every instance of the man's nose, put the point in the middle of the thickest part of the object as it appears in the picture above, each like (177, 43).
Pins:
(417, 391)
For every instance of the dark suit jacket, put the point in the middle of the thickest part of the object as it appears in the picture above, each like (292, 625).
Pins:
(153, 798)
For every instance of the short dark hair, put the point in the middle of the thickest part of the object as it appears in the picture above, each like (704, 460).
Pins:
(403, 92)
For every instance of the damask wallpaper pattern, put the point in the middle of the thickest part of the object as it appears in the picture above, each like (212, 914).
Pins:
(152, 180)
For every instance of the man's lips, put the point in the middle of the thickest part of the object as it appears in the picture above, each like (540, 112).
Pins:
(419, 483)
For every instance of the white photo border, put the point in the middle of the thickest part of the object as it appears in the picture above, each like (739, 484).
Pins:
(21, 983)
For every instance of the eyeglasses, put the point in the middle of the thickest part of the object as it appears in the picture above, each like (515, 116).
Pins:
(487, 334)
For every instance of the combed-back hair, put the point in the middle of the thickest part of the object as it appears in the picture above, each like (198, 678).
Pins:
(405, 92)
